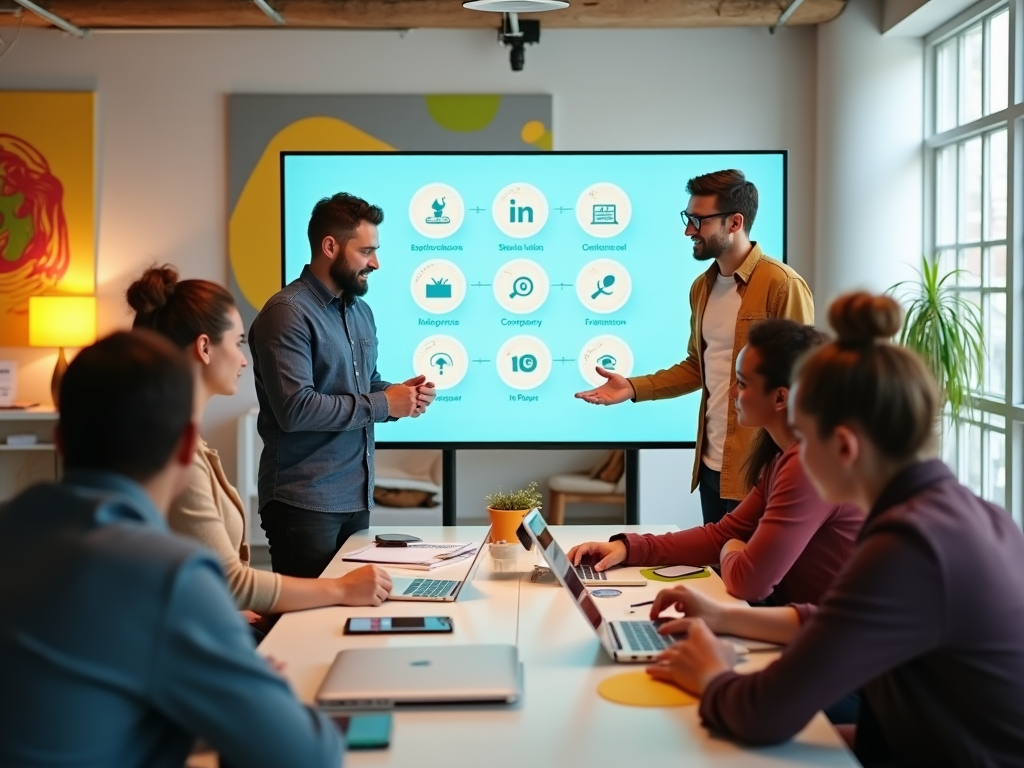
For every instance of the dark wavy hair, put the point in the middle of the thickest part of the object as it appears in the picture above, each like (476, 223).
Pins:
(780, 343)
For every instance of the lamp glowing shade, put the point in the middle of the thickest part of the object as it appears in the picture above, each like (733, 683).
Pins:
(515, 6)
(61, 321)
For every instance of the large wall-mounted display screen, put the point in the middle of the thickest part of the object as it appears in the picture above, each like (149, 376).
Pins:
(507, 278)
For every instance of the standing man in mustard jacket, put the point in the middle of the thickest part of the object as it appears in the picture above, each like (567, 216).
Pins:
(741, 286)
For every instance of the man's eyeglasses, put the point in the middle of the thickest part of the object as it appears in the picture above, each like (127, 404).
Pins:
(695, 221)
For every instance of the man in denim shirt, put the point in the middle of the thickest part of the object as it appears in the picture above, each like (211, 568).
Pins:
(314, 350)
(119, 641)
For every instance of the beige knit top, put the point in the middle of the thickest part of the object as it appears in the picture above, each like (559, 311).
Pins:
(211, 512)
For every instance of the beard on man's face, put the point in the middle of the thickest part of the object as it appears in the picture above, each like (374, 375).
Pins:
(351, 282)
(711, 248)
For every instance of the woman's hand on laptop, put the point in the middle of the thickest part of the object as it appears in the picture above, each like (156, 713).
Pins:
(604, 553)
(692, 604)
(368, 585)
(692, 663)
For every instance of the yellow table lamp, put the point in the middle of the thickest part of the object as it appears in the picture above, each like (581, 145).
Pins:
(61, 321)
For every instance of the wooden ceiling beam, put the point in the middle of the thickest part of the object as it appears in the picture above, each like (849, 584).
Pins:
(428, 14)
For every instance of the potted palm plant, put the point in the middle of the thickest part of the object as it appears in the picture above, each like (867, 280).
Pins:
(945, 329)
(508, 508)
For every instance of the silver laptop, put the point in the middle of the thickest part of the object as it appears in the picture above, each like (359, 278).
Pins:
(384, 678)
(434, 590)
(616, 577)
(623, 640)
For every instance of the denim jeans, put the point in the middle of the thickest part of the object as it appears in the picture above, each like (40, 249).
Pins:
(712, 506)
(303, 542)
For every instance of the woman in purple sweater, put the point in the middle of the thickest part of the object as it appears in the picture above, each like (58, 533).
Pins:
(927, 618)
(782, 542)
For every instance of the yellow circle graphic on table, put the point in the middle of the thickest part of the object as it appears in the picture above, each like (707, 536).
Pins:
(442, 359)
(611, 353)
(521, 286)
(638, 689)
(520, 210)
(603, 210)
(436, 210)
(524, 362)
(604, 286)
(438, 286)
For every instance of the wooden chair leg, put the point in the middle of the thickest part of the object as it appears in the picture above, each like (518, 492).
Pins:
(556, 514)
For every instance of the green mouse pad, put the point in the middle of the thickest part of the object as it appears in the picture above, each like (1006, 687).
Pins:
(649, 573)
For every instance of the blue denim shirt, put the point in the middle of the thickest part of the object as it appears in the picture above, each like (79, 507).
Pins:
(315, 363)
(119, 643)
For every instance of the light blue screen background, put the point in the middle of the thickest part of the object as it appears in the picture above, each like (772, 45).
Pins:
(658, 257)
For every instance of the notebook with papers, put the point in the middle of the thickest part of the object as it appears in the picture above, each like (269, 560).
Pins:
(434, 589)
(625, 641)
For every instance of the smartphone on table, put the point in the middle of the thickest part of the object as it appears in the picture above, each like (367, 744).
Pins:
(678, 571)
(364, 731)
(398, 625)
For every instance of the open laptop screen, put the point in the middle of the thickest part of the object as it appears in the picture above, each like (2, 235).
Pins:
(563, 570)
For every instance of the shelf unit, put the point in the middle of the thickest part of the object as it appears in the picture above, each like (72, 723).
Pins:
(23, 465)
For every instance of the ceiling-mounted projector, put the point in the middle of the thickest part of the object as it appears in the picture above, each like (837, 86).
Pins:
(515, 6)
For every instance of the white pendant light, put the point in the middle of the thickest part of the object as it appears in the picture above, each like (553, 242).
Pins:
(515, 6)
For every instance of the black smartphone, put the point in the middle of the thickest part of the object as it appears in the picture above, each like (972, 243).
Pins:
(364, 731)
(386, 625)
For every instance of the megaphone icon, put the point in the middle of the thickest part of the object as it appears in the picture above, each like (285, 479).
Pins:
(439, 361)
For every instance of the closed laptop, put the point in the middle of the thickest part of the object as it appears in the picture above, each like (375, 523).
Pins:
(383, 678)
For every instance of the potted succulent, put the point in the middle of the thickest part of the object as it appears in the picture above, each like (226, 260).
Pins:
(945, 329)
(508, 508)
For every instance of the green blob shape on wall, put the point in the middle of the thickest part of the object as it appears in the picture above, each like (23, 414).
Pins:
(463, 113)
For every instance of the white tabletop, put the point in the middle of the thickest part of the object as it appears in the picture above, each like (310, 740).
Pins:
(561, 719)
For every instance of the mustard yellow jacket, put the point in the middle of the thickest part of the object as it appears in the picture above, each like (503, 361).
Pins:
(768, 288)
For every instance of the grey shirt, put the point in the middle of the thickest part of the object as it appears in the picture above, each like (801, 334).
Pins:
(927, 617)
(315, 364)
(119, 643)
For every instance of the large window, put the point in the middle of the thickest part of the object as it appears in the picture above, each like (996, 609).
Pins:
(975, 185)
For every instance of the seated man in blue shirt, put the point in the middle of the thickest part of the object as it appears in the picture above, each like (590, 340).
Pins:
(119, 642)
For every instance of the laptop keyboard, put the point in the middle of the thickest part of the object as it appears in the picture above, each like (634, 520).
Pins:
(643, 636)
(429, 588)
(587, 573)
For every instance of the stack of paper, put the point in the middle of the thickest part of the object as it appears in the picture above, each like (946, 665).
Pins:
(420, 556)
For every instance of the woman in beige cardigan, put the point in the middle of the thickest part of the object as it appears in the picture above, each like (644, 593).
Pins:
(201, 317)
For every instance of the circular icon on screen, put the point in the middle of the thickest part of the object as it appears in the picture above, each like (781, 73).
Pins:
(603, 286)
(603, 210)
(438, 286)
(524, 362)
(442, 359)
(608, 352)
(521, 286)
(520, 210)
(436, 210)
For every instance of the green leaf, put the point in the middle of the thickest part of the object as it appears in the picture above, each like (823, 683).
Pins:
(946, 330)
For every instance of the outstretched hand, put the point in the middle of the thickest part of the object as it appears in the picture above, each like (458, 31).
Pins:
(616, 390)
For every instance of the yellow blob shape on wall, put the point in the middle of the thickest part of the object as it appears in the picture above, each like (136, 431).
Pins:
(463, 113)
(254, 231)
(535, 134)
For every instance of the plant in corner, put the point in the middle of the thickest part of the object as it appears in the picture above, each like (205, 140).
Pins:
(508, 508)
(945, 329)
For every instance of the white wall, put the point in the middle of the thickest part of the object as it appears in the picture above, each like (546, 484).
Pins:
(161, 118)
(870, 118)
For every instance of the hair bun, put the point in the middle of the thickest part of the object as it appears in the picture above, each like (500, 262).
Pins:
(862, 318)
(151, 291)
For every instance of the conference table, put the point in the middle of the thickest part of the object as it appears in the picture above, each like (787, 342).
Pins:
(561, 720)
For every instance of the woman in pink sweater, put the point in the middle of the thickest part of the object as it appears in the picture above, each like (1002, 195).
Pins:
(782, 543)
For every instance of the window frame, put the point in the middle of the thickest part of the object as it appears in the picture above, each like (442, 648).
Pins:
(1011, 406)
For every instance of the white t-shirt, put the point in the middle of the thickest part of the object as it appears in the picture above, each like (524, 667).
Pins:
(719, 330)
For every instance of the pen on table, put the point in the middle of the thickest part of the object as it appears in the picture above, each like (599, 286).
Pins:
(645, 602)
